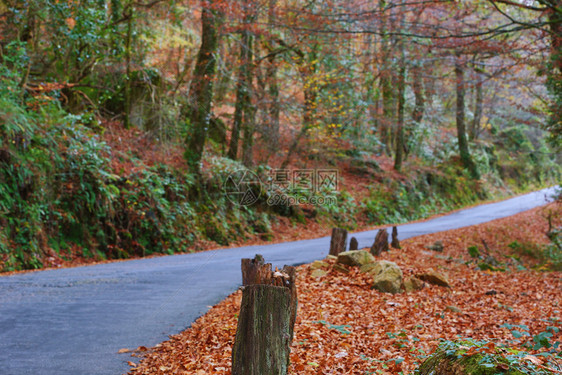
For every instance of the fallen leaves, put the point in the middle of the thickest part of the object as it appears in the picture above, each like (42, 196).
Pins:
(343, 326)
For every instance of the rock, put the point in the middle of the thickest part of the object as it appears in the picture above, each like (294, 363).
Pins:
(381, 242)
(340, 268)
(395, 244)
(331, 257)
(355, 258)
(353, 244)
(434, 278)
(318, 273)
(413, 283)
(318, 264)
(366, 268)
(387, 277)
(437, 246)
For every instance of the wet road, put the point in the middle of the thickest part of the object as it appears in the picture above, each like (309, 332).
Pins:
(73, 321)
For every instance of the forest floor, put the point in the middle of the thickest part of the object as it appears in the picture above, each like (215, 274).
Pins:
(345, 327)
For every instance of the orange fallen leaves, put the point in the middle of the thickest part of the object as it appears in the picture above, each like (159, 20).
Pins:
(345, 327)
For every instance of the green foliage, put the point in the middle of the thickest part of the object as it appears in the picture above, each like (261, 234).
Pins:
(481, 357)
(58, 193)
(473, 251)
(424, 195)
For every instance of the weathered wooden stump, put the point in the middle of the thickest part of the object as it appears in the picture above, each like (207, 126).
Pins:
(353, 244)
(381, 242)
(395, 244)
(338, 241)
(266, 320)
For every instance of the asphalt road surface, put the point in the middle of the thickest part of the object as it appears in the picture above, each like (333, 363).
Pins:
(73, 321)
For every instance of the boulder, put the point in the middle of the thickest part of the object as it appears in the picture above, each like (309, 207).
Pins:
(435, 278)
(387, 277)
(355, 258)
(340, 268)
(318, 273)
(366, 268)
(413, 283)
(318, 264)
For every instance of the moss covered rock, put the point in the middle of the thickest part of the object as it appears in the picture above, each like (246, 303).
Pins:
(356, 258)
(387, 277)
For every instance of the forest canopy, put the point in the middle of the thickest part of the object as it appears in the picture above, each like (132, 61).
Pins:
(120, 120)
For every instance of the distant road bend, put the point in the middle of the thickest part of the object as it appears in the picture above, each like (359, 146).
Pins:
(73, 321)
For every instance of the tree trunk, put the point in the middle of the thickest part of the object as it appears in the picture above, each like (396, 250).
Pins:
(128, 76)
(274, 109)
(310, 96)
(466, 159)
(338, 241)
(399, 151)
(417, 87)
(266, 322)
(478, 101)
(244, 113)
(388, 96)
(201, 90)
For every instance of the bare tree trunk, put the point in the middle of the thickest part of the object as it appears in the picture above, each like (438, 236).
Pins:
(460, 116)
(244, 113)
(273, 88)
(129, 11)
(417, 87)
(310, 96)
(399, 153)
(201, 90)
(478, 100)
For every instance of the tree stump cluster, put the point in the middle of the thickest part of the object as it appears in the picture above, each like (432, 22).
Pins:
(266, 320)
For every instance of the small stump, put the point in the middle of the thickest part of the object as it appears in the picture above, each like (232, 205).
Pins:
(338, 241)
(381, 242)
(353, 244)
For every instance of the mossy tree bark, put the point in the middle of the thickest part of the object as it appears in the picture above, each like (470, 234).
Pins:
(466, 159)
(201, 89)
(266, 321)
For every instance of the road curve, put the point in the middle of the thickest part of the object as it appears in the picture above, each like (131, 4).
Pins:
(73, 321)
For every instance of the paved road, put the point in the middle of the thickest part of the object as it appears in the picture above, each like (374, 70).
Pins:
(73, 321)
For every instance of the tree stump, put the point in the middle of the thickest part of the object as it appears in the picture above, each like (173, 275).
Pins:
(266, 320)
(338, 241)
(253, 270)
(353, 244)
(395, 244)
(381, 242)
